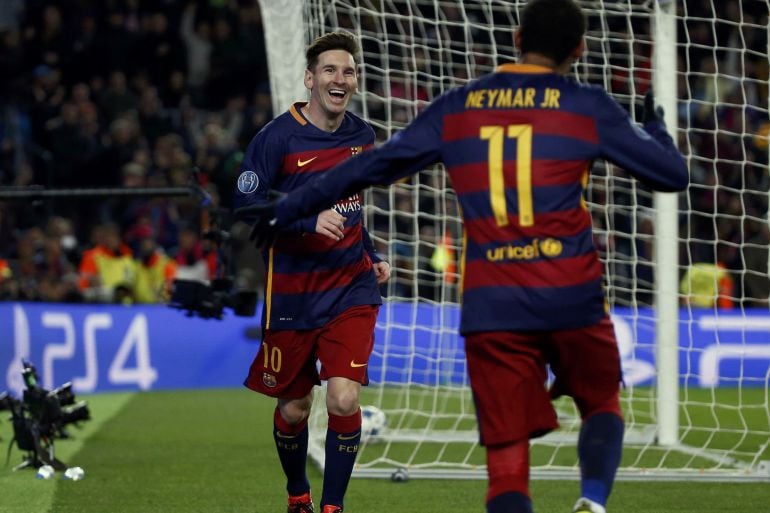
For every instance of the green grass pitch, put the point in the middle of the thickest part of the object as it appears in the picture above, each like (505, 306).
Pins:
(212, 451)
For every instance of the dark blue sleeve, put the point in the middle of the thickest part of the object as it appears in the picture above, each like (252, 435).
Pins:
(369, 246)
(649, 154)
(259, 172)
(406, 153)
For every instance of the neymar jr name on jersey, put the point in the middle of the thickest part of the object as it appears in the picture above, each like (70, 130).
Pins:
(506, 98)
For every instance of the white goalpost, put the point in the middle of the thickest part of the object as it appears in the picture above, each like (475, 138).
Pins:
(686, 275)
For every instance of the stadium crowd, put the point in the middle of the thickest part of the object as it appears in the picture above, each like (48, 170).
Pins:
(131, 93)
(121, 94)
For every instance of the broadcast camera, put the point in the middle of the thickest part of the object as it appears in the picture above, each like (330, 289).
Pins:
(208, 300)
(41, 417)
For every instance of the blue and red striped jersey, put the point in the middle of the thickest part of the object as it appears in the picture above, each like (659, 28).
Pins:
(310, 279)
(518, 146)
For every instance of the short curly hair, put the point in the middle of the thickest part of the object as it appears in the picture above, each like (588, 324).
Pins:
(552, 28)
(339, 40)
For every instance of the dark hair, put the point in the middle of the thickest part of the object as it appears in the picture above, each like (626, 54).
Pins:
(552, 28)
(332, 41)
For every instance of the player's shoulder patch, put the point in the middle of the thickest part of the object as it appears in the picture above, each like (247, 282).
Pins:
(248, 182)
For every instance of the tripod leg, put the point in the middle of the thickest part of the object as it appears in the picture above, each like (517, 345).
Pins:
(29, 462)
(46, 455)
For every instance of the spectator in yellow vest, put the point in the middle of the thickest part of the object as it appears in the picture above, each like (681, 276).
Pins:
(107, 271)
(7, 288)
(5, 270)
(707, 285)
(154, 273)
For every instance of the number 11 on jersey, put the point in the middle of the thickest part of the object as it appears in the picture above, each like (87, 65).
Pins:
(496, 134)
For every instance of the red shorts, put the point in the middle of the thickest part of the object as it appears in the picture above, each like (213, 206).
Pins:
(508, 377)
(285, 366)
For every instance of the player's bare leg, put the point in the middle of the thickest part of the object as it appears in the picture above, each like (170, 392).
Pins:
(291, 436)
(342, 439)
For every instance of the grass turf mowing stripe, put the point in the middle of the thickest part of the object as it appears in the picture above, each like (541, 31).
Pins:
(186, 451)
(212, 451)
(20, 492)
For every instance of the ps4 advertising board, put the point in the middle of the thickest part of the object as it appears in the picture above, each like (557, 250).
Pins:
(116, 348)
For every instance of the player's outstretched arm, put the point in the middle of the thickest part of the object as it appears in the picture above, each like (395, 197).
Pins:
(648, 153)
(408, 152)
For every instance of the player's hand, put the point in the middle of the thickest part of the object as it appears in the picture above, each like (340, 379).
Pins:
(264, 231)
(382, 272)
(651, 113)
(266, 228)
(330, 224)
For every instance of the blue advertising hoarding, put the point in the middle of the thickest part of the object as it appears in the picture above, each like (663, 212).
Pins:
(109, 348)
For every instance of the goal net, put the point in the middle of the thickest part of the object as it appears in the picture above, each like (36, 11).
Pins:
(696, 404)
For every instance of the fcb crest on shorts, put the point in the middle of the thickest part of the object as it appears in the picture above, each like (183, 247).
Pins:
(269, 380)
(355, 150)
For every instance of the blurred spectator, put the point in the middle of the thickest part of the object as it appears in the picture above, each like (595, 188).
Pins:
(47, 97)
(196, 31)
(7, 284)
(44, 273)
(11, 62)
(82, 50)
(107, 270)
(257, 115)
(228, 63)
(134, 175)
(57, 278)
(756, 254)
(153, 118)
(71, 146)
(30, 258)
(44, 37)
(10, 14)
(161, 49)
(160, 214)
(119, 147)
(154, 272)
(14, 140)
(194, 261)
(706, 285)
(252, 41)
(116, 43)
(116, 99)
(62, 229)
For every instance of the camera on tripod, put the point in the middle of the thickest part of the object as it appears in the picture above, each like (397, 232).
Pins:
(40, 417)
(209, 301)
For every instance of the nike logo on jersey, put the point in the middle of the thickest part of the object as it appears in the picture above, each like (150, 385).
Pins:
(355, 365)
(301, 163)
(350, 437)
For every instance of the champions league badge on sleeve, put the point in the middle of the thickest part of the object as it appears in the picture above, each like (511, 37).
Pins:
(248, 182)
